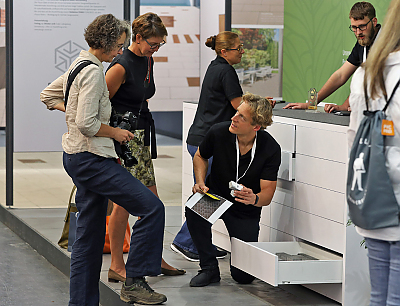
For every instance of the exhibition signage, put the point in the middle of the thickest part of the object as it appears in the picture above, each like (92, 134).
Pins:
(48, 36)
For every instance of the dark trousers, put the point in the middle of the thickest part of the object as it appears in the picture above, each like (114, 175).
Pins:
(183, 239)
(239, 227)
(98, 179)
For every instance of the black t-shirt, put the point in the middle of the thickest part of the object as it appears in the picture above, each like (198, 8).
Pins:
(356, 55)
(220, 86)
(220, 143)
(130, 95)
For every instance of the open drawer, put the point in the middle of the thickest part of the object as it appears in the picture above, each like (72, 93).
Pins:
(260, 260)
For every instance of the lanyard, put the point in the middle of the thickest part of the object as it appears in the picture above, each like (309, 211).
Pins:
(253, 152)
(365, 48)
(365, 54)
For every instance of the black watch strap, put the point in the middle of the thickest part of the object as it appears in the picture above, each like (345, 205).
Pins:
(257, 198)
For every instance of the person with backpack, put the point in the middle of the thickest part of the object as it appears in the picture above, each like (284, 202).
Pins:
(373, 88)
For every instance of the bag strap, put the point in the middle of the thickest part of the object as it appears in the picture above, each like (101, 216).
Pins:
(71, 194)
(393, 92)
(72, 75)
(387, 101)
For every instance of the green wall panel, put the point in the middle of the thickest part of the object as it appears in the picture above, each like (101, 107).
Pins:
(315, 41)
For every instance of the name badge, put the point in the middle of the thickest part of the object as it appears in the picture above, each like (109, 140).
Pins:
(387, 128)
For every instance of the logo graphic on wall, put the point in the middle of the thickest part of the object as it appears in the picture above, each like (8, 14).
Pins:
(65, 54)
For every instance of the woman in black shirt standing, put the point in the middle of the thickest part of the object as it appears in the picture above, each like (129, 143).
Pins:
(130, 83)
(220, 96)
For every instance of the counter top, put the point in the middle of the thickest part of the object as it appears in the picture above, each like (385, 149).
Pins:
(303, 115)
(316, 117)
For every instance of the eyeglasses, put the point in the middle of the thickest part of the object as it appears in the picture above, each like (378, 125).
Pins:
(238, 49)
(119, 47)
(361, 27)
(154, 46)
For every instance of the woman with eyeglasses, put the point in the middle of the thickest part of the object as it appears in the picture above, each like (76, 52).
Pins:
(90, 160)
(220, 96)
(130, 83)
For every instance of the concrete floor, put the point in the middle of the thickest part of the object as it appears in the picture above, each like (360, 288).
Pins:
(26, 278)
(48, 222)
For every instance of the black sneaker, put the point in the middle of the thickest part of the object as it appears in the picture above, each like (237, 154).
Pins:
(193, 256)
(140, 292)
(205, 277)
(220, 254)
(187, 254)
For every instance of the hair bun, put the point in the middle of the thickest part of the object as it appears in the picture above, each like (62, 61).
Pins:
(213, 39)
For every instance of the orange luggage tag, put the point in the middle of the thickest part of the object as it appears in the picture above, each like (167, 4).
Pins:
(387, 128)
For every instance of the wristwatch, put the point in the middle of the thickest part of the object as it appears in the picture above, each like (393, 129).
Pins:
(255, 203)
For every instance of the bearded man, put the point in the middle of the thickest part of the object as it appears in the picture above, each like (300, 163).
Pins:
(364, 25)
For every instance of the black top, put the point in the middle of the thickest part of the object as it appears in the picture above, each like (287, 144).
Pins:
(356, 55)
(220, 86)
(130, 95)
(220, 143)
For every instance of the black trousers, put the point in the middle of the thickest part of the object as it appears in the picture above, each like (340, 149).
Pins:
(239, 227)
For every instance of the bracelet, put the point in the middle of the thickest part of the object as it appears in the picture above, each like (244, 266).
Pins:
(255, 203)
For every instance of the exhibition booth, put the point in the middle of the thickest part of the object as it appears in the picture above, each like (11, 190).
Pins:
(290, 47)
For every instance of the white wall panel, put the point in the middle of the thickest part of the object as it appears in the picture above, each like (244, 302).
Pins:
(48, 36)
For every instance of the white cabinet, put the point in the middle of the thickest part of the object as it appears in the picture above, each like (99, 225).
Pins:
(308, 213)
(189, 111)
(285, 135)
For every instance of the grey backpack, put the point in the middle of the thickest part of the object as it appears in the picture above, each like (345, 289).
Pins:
(369, 192)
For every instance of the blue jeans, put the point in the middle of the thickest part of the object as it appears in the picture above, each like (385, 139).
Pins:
(384, 270)
(98, 179)
(183, 239)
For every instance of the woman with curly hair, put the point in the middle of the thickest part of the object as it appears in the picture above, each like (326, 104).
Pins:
(90, 160)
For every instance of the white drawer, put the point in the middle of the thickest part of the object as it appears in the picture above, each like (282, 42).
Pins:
(284, 192)
(276, 236)
(264, 234)
(285, 135)
(321, 202)
(259, 260)
(286, 169)
(189, 112)
(321, 172)
(219, 226)
(266, 215)
(187, 163)
(282, 218)
(187, 184)
(321, 143)
(320, 231)
(220, 236)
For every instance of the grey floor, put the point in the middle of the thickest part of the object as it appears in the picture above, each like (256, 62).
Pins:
(28, 279)
(44, 284)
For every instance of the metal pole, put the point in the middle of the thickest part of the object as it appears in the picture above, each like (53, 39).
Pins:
(9, 104)
(127, 10)
(137, 8)
(228, 15)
